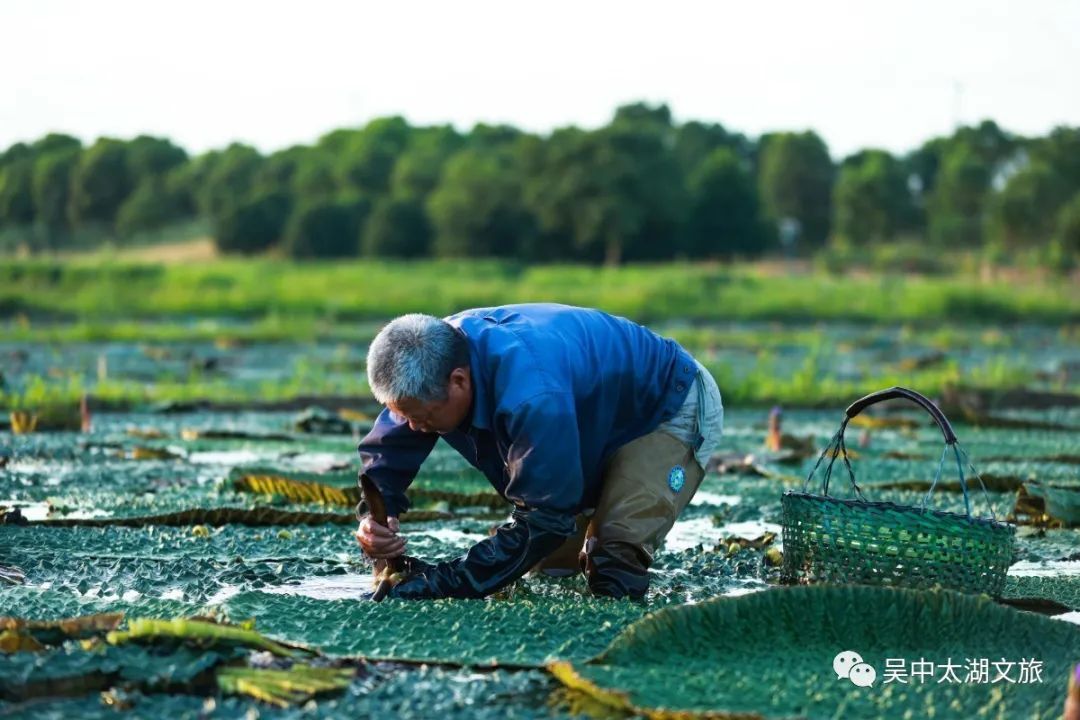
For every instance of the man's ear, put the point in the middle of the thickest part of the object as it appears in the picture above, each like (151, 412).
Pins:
(461, 378)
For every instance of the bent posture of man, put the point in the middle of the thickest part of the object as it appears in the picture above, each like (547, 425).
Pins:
(594, 427)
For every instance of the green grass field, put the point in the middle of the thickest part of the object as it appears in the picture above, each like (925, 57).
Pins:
(768, 336)
(95, 290)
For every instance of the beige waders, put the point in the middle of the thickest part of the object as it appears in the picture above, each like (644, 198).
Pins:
(646, 484)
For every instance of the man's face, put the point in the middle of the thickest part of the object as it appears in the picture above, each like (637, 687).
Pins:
(440, 416)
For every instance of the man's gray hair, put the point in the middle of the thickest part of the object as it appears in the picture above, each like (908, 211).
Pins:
(413, 356)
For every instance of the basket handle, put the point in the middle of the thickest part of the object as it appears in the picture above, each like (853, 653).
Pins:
(838, 448)
(896, 393)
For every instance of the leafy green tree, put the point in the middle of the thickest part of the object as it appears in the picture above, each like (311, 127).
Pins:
(991, 145)
(1067, 232)
(154, 204)
(476, 209)
(231, 177)
(100, 183)
(367, 158)
(190, 179)
(17, 192)
(1060, 151)
(416, 172)
(396, 227)
(871, 198)
(315, 179)
(151, 157)
(642, 114)
(277, 172)
(572, 190)
(725, 212)
(493, 137)
(695, 141)
(228, 179)
(253, 225)
(18, 151)
(327, 229)
(990, 142)
(55, 142)
(1023, 213)
(52, 176)
(612, 194)
(922, 164)
(956, 207)
(795, 179)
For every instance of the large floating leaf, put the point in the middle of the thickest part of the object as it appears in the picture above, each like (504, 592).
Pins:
(11, 575)
(297, 490)
(191, 434)
(51, 632)
(74, 670)
(52, 604)
(771, 654)
(1062, 458)
(1038, 544)
(134, 569)
(283, 687)
(1060, 503)
(189, 578)
(493, 632)
(1060, 590)
(261, 516)
(422, 692)
(172, 544)
(201, 633)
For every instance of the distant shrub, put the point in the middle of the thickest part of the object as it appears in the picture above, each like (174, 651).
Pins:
(253, 226)
(396, 228)
(326, 229)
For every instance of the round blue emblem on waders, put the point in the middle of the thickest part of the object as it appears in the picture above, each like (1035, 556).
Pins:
(676, 478)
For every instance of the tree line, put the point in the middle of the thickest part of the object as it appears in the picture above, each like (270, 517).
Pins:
(640, 188)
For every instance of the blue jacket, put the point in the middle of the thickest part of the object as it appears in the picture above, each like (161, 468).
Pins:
(557, 390)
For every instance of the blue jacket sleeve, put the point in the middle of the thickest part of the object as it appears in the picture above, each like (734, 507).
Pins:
(391, 455)
(546, 485)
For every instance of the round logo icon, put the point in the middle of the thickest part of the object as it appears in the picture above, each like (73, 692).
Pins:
(676, 478)
(844, 661)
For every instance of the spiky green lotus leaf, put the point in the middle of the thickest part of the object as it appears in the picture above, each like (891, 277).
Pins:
(297, 684)
(52, 632)
(202, 633)
(770, 654)
(297, 490)
(259, 516)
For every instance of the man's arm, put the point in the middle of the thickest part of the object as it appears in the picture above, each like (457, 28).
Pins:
(391, 455)
(546, 484)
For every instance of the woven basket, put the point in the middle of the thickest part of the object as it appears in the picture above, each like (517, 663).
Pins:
(834, 540)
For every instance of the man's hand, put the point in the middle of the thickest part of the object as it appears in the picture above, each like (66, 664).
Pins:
(380, 542)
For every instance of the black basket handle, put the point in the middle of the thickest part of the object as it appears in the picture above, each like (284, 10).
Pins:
(837, 448)
(896, 393)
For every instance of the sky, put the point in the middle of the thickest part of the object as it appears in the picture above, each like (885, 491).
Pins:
(862, 74)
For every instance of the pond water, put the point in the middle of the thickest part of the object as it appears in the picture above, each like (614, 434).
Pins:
(299, 578)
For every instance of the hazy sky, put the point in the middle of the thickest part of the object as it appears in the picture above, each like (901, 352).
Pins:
(866, 73)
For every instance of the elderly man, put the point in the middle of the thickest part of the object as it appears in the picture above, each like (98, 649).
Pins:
(594, 427)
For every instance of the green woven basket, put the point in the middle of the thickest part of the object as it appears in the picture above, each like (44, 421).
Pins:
(835, 540)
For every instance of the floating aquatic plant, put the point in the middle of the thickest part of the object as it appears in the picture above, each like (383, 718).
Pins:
(54, 632)
(283, 687)
(204, 634)
(297, 490)
(771, 654)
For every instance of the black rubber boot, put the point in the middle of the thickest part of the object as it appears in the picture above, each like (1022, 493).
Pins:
(618, 570)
